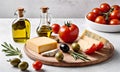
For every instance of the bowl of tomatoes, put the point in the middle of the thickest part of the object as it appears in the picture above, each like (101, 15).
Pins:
(105, 18)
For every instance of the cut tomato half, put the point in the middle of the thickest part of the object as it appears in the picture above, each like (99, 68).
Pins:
(91, 50)
(100, 46)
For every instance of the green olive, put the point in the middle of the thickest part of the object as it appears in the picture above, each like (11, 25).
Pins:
(15, 62)
(75, 47)
(23, 66)
(59, 56)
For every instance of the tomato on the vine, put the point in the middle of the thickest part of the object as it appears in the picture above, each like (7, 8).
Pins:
(69, 32)
(115, 14)
(114, 22)
(100, 20)
(97, 11)
(91, 16)
(37, 65)
(116, 7)
(104, 7)
(55, 28)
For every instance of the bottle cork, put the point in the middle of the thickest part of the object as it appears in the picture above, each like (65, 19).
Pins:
(44, 9)
(20, 11)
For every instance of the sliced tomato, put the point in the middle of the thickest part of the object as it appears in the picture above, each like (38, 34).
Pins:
(91, 50)
(100, 46)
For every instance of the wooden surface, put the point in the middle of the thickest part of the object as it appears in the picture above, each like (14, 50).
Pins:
(98, 57)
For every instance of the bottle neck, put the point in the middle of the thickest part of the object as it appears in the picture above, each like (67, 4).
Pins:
(44, 19)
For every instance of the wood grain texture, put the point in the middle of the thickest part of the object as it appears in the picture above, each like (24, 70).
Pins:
(98, 57)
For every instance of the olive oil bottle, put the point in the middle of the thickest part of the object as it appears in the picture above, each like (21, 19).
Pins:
(44, 28)
(20, 27)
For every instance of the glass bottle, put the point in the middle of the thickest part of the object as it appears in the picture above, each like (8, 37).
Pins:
(44, 28)
(20, 27)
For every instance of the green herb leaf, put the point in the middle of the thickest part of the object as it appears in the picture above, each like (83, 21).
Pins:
(76, 56)
(10, 50)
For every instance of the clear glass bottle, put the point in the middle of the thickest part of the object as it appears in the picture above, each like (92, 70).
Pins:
(44, 28)
(20, 27)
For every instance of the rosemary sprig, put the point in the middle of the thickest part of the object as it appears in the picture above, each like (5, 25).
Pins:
(76, 56)
(10, 50)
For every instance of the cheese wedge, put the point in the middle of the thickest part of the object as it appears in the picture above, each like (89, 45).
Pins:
(88, 38)
(92, 36)
(87, 43)
(41, 44)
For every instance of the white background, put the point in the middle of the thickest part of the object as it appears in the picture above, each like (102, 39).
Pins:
(58, 8)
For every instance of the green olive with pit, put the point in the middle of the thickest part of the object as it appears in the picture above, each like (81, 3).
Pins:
(75, 47)
(23, 66)
(59, 56)
(15, 62)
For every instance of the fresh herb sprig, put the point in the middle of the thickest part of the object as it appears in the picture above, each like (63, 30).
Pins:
(76, 56)
(10, 50)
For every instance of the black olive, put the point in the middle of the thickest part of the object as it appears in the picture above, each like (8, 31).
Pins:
(64, 47)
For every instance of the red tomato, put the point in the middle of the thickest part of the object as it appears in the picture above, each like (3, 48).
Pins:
(55, 28)
(37, 65)
(115, 14)
(91, 50)
(104, 7)
(116, 7)
(69, 32)
(114, 22)
(97, 11)
(100, 20)
(100, 46)
(91, 16)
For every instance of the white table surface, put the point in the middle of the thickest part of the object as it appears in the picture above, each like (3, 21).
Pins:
(111, 65)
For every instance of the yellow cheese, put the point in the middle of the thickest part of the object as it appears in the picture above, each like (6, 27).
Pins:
(41, 44)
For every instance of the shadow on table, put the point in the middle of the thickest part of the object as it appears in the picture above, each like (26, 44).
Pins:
(34, 71)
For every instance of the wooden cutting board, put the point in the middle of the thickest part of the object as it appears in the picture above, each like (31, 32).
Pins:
(98, 57)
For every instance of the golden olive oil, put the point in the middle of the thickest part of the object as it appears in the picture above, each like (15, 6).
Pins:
(21, 30)
(44, 31)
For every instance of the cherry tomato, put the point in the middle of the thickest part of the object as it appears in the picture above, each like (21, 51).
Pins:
(104, 7)
(37, 65)
(115, 14)
(69, 32)
(100, 46)
(91, 50)
(114, 22)
(116, 7)
(100, 20)
(55, 28)
(91, 16)
(97, 11)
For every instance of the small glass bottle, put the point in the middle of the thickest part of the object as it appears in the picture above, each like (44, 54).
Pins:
(44, 28)
(20, 27)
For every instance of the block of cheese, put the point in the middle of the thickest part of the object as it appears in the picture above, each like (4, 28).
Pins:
(41, 44)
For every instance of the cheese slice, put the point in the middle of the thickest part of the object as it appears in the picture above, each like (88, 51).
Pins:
(41, 44)
(93, 36)
(87, 43)
(88, 38)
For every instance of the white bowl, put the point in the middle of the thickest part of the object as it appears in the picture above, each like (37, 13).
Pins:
(102, 27)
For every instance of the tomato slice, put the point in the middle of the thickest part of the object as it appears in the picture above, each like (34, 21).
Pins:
(100, 46)
(91, 50)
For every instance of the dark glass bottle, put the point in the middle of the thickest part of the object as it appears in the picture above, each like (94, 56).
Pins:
(44, 28)
(20, 27)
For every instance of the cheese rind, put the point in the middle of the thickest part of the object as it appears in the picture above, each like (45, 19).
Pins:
(41, 44)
